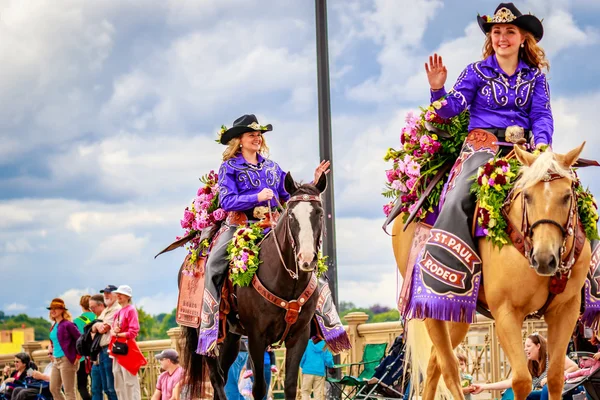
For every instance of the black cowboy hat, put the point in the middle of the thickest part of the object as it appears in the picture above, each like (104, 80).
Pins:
(507, 13)
(245, 123)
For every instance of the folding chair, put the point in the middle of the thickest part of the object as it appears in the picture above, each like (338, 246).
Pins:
(590, 383)
(372, 355)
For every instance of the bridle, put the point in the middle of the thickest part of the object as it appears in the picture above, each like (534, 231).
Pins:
(288, 230)
(567, 231)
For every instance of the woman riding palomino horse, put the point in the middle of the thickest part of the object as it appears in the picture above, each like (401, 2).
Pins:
(509, 101)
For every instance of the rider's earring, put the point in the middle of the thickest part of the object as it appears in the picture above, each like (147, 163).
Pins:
(240, 146)
(522, 45)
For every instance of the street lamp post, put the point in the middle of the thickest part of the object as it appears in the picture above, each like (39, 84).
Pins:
(326, 153)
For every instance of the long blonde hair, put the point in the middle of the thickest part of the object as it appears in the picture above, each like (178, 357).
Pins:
(533, 54)
(233, 148)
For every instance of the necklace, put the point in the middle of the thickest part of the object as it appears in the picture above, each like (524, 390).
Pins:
(517, 82)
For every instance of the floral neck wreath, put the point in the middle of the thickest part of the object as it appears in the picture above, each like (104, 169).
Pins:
(493, 185)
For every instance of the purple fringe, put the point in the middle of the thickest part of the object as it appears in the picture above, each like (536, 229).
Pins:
(336, 338)
(447, 310)
(207, 340)
(590, 317)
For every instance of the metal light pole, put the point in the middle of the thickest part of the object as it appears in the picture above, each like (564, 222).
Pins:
(325, 146)
(326, 153)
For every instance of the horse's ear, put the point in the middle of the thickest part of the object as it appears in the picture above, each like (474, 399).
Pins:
(571, 157)
(289, 184)
(322, 183)
(523, 156)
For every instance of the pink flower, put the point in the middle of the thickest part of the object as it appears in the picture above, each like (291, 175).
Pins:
(424, 141)
(491, 182)
(215, 189)
(387, 208)
(200, 191)
(411, 120)
(398, 185)
(413, 168)
(391, 175)
(219, 214)
(188, 218)
(407, 159)
(410, 184)
(209, 196)
(401, 167)
(444, 102)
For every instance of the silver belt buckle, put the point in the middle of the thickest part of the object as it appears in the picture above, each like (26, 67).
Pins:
(514, 134)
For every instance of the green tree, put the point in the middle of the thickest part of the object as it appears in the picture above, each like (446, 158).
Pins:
(392, 315)
(147, 324)
(41, 326)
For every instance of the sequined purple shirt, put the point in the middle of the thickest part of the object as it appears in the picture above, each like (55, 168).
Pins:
(240, 182)
(497, 100)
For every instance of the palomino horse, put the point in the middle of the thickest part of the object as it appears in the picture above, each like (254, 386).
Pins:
(288, 263)
(514, 286)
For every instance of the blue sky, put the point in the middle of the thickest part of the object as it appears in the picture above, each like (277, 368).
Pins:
(110, 110)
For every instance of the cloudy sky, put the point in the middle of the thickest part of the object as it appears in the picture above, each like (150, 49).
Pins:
(110, 110)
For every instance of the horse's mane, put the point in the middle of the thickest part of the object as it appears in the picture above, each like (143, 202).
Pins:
(538, 171)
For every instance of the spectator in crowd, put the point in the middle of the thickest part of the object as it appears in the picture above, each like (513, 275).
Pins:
(466, 380)
(270, 366)
(232, 390)
(97, 306)
(125, 329)
(168, 380)
(36, 384)
(62, 351)
(537, 363)
(85, 367)
(105, 363)
(17, 378)
(314, 363)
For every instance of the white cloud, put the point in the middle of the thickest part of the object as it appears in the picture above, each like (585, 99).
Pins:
(14, 307)
(119, 249)
(159, 303)
(18, 245)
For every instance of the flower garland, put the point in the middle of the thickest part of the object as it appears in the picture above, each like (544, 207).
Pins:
(588, 210)
(243, 252)
(494, 181)
(204, 212)
(420, 157)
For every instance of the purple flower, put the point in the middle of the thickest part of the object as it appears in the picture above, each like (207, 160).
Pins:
(491, 182)
(219, 214)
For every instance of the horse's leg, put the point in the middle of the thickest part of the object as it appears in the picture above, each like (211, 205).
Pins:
(509, 323)
(216, 378)
(256, 348)
(445, 359)
(295, 348)
(458, 331)
(561, 321)
(229, 351)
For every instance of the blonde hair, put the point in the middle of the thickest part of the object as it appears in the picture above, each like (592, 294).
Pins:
(544, 163)
(533, 54)
(65, 315)
(233, 148)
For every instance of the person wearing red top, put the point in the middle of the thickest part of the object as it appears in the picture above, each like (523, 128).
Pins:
(125, 329)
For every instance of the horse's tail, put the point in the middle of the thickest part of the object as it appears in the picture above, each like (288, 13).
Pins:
(418, 352)
(193, 363)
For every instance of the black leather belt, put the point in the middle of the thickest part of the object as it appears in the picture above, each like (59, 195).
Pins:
(500, 133)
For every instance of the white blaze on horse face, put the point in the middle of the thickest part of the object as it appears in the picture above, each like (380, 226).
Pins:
(306, 247)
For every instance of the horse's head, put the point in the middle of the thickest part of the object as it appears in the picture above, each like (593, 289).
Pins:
(549, 206)
(305, 220)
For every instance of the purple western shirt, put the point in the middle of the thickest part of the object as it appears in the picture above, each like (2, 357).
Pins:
(497, 100)
(240, 182)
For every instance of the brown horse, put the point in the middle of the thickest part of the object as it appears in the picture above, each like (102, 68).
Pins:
(287, 276)
(514, 286)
